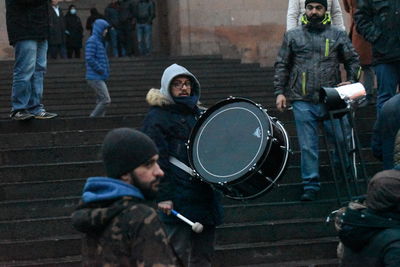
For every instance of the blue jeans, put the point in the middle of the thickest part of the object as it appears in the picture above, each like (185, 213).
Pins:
(388, 77)
(307, 116)
(103, 99)
(144, 38)
(29, 68)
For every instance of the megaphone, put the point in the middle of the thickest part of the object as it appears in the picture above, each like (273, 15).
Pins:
(342, 97)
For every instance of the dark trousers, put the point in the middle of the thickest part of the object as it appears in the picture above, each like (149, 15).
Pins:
(193, 249)
(73, 50)
(57, 50)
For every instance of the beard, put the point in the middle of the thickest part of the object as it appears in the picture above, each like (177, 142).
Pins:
(315, 22)
(147, 189)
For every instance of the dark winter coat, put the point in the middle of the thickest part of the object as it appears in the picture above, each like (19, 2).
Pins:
(126, 11)
(111, 13)
(94, 14)
(74, 27)
(97, 64)
(370, 239)
(57, 27)
(310, 59)
(119, 226)
(169, 125)
(363, 48)
(385, 130)
(27, 20)
(378, 21)
(145, 12)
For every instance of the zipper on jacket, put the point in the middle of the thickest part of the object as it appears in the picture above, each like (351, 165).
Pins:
(303, 83)
(359, 73)
(326, 47)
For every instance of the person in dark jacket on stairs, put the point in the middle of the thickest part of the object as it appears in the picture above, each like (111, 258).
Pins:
(371, 236)
(379, 23)
(28, 32)
(57, 32)
(384, 132)
(115, 214)
(74, 32)
(309, 58)
(172, 116)
(97, 67)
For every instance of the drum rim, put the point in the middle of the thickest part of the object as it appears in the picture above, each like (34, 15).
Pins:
(283, 168)
(200, 123)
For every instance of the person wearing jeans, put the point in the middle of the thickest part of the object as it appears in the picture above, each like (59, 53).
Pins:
(379, 23)
(144, 37)
(307, 117)
(309, 59)
(102, 97)
(27, 27)
(144, 18)
(97, 67)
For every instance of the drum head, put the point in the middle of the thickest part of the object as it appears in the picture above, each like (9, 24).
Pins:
(228, 140)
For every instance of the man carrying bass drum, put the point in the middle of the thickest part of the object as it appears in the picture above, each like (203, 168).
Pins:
(169, 122)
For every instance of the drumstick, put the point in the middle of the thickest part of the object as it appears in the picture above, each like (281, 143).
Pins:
(196, 227)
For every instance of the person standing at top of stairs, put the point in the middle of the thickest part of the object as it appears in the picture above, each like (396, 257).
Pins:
(28, 31)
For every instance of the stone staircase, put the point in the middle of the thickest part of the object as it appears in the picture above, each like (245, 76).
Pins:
(44, 164)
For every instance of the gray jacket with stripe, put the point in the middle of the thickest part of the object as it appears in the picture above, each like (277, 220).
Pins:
(310, 58)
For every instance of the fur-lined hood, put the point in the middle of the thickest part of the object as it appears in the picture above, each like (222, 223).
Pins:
(162, 96)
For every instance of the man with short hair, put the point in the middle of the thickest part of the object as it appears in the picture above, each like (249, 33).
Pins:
(28, 31)
(309, 58)
(120, 227)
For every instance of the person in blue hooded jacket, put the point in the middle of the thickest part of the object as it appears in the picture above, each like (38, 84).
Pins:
(171, 118)
(97, 67)
(115, 213)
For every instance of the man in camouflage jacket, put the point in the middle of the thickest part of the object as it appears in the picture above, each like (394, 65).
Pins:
(309, 59)
(120, 227)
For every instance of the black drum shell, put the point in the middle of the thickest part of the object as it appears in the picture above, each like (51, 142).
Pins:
(261, 173)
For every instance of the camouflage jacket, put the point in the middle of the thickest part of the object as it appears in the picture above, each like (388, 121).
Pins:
(122, 232)
(310, 59)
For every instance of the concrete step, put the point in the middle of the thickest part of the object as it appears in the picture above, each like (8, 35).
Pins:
(44, 248)
(270, 231)
(34, 209)
(69, 124)
(275, 252)
(71, 261)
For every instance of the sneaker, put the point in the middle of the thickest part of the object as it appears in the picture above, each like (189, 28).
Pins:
(309, 195)
(45, 115)
(21, 115)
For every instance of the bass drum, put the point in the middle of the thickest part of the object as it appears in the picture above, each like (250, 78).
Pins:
(237, 148)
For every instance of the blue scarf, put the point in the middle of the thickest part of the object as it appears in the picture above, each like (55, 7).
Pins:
(189, 101)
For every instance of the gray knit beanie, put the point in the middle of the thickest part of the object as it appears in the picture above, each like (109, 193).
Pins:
(124, 150)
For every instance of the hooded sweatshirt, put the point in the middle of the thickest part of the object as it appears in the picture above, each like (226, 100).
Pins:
(120, 228)
(169, 123)
(97, 65)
